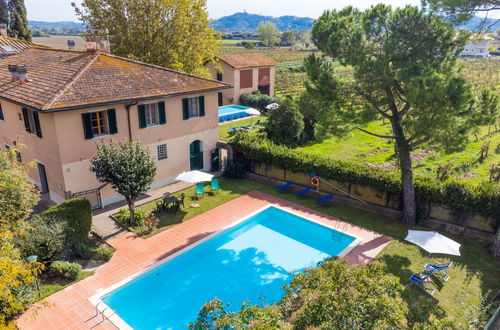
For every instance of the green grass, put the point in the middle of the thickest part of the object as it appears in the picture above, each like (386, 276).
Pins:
(50, 285)
(233, 42)
(224, 131)
(473, 273)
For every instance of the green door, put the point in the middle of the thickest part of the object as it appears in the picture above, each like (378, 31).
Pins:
(215, 160)
(196, 155)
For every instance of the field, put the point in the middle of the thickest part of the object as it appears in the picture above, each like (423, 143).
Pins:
(60, 41)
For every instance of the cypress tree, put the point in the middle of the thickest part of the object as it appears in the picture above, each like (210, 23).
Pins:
(18, 20)
(4, 12)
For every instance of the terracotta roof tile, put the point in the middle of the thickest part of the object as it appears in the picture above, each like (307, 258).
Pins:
(16, 45)
(62, 79)
(247, 60)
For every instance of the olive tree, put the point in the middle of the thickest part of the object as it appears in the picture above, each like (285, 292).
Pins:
(127, 166)
(404, 72)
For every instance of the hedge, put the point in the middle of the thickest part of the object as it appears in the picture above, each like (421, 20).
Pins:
(483, 198)
(78, 214)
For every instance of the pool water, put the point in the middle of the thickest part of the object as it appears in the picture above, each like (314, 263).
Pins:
(231, 112)
(251, 260)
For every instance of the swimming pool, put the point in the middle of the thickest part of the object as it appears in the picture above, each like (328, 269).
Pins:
(250, 260)
(231, 112)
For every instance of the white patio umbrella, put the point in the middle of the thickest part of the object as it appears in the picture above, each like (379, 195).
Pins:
(252, 112)
(433, 242)
(194, 176)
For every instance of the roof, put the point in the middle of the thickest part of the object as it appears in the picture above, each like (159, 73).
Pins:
(10, 46)
(64, 79)
(247, 60)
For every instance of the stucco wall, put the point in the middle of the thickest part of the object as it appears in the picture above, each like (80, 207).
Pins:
(227, 77)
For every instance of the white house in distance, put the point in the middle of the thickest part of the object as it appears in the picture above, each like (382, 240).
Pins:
(477, 47)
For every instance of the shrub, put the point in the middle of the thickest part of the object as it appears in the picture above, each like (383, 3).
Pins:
(45, 238)
(234, 169)
(78, 215)
(82, 250)
(285, 124)
(102, 253)
(123, 217)
(65, 269)
(256, 100)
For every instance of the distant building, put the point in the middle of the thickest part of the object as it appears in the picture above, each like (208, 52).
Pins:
(246, 73)
(477, 47)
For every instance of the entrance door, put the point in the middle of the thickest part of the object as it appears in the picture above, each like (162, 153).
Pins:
(196, 155)
(215, 160)
(264, 89)
(44, 185)
(220, 99)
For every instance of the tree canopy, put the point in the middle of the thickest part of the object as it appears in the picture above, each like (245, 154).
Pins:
(404, 71)
(4, 12)
(333, 295)
(268, 33)
(171, 33)
(18, 21)
(127, 166)
(285, 124)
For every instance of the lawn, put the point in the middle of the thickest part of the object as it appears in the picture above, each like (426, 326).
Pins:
(224, 129)
(473, 274)
(49, 285)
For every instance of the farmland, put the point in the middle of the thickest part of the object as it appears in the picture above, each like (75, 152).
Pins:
(60, 41)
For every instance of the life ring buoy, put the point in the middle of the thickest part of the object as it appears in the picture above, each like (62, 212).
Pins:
(314, 181)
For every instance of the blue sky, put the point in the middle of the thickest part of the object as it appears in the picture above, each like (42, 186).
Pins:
(61, 10)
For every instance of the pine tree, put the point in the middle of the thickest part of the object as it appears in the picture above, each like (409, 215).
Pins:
(18, 20)
(4, 12)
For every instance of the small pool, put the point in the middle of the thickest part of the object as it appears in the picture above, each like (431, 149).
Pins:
(250, 260)
(231, 112)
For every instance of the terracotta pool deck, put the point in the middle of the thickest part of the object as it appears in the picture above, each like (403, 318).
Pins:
(70, 308)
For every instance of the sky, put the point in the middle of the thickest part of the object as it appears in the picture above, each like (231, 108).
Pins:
(61, 10)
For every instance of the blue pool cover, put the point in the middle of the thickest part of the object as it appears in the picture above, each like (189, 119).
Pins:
(231, 112)
(254, 259)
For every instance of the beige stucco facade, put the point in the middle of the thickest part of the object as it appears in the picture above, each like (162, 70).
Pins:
(65, 152)
(232, 75)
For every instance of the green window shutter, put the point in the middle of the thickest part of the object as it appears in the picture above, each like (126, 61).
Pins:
(201, 103)
(161, 113)
(112, 121)
(185, 109)
(87, 126)
(141, 110)
(26, 120)
(37, 125)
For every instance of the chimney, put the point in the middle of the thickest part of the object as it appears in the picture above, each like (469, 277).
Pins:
(71, 45)
(13, 72)
(97, 43)
(22, 73)
(3, 29)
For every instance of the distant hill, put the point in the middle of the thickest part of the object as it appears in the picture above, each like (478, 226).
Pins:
(473, 23)
(242, 22)
(56, 25)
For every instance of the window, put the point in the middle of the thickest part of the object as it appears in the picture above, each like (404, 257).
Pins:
(220, 99)
(1, 112)
(32, 122)
(193, 107)
(161, 151)
(481, 50)
(99, 123)
(151, 114)
(246, 78)
(219, 76)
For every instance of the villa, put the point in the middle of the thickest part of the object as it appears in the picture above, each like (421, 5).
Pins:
(55, 105)
(247, 73)
(477, 47)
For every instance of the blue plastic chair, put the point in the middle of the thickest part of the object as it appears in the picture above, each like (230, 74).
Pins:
(215, 185)
(423, 282)
(304, 191)
(284, 186)
(439, 270)
(325, 199)
(200, 189)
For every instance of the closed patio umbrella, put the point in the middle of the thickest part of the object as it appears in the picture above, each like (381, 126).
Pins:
(433, 242)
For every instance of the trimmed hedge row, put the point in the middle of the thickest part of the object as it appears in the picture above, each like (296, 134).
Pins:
(484, 198)
(77, 213)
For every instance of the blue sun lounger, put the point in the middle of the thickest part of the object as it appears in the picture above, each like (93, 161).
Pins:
(286, 185)
(304, 191)
(422, 282)
(325, 199)
(439, 270)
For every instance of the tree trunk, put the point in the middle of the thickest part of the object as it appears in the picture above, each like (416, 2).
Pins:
(131, 207)
(495, 247)
(407, 186)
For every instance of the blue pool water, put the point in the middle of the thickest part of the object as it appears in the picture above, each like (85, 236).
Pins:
(231, 112)
(251, 260)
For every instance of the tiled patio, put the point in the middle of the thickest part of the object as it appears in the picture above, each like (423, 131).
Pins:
(70, 309)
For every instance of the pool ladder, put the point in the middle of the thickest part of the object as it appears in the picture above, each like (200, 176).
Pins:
(102, 313)
(339, 232)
